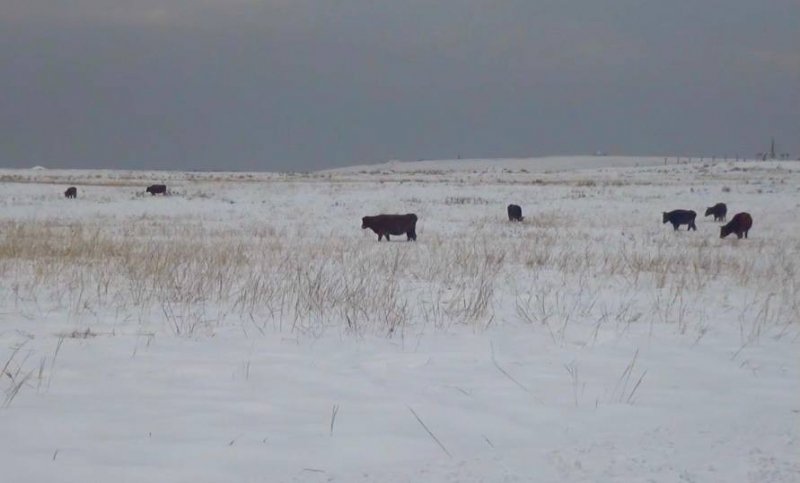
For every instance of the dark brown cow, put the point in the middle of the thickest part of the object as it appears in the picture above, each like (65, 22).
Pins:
(739, 224)
(72, 192)
(156, 189)
(719, 211)
(385, 225)
(515, 213)
(680, 217)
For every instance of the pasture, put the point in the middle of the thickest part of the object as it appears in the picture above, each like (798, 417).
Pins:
(245, 327)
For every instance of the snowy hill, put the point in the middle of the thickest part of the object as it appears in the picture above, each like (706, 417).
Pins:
(551, 163)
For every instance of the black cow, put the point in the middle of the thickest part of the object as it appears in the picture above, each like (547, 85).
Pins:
(719, 211)
(515, 213)
(156, 189)
(72, 192)
(739, 224)
(385, 225)
(681, 217)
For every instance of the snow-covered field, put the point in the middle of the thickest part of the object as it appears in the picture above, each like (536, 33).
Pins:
(246, 329)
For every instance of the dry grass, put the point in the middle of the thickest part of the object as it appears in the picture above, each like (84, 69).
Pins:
(195, 278)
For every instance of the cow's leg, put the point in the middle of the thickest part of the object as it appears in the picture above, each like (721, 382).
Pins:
(740, 235)
(675, 226)
(693, 226)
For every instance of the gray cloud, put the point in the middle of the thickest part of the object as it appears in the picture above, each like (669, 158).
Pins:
(303, 84)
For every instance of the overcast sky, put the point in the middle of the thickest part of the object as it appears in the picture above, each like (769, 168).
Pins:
(307, 84)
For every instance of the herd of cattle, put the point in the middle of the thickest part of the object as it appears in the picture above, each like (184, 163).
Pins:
(386, 225)
(740, 224)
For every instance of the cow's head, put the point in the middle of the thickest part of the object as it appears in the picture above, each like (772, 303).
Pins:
(664, 216)
(725, 231)
(364, 223)
(709, 211)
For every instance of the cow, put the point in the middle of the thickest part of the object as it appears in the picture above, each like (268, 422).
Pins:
(515, 213)
(155, 189)
(72, 192)
(719, 211)
(385, 225)
(739, 224)
(681, 217)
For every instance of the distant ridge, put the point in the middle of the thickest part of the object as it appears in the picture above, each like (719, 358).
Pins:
(549, 163)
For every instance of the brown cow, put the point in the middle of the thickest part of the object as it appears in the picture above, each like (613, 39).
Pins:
(739, 224)
(385, 225)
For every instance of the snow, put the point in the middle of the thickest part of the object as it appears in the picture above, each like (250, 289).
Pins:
(246, 329)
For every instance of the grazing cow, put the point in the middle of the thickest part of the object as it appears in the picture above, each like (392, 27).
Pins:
(719, 211)
(155, 189)
(681, 217)
(739, 224)
(385, 225)
(72, 192)
(515, 213)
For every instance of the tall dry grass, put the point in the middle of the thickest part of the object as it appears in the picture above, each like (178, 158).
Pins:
(551, 273)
